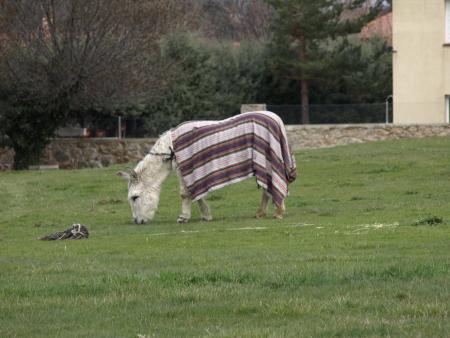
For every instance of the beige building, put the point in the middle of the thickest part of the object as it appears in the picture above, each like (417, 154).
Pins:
(421, 43)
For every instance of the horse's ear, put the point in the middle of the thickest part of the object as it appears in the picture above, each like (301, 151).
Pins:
(124, 175)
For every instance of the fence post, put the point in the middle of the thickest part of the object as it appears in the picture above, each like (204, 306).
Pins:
(387, 108)
(119, 127)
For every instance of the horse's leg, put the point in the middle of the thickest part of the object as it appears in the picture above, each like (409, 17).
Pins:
(279, 211)
(262, 211)
(186, 202)
(205, 211)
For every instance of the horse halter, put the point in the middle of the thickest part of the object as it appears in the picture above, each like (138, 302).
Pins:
(170, 156)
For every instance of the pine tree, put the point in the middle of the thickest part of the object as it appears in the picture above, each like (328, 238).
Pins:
(301, 26)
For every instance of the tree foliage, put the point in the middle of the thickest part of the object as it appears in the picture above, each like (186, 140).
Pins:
(359, 72)
(65, 59)
(298, 30)
(61, 58)
(214, 79)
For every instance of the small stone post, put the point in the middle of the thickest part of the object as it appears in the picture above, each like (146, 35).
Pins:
(245, 108)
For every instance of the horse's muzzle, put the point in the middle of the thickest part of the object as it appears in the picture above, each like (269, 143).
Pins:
(142, 221)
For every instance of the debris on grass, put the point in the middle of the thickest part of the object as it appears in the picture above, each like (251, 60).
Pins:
(77, 231)
(357, 198)
(365, 228)
(109, 201)
(430, 220)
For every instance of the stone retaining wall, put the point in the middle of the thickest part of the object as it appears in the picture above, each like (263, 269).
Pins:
(6, 158)
(96, 153)
(321, 136)
(87, 152)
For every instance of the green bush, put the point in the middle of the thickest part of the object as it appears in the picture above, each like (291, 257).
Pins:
(213, 80)
(354, 72)
(360, 71)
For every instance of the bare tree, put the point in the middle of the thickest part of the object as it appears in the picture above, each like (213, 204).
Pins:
(237, 19)
(58, 57)
(94, 51)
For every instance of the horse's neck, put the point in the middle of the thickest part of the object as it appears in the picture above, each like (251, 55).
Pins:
(163, 144)
(153, 169)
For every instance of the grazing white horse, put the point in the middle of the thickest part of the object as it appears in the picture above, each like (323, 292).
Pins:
(209, 155)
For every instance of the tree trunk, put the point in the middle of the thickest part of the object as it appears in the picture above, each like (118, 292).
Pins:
(305, 101)
(304, 82)
(24, 157)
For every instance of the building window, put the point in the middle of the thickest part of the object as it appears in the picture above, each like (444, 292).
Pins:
(447, 21)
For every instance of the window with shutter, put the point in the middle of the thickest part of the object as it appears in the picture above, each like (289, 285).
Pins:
(447, 21)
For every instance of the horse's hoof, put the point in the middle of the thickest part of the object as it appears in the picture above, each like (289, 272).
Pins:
(260, 214)
(207, 218)
(277, 216)
(182, 219)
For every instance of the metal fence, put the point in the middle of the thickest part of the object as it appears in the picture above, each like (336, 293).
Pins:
(335, 113)
(138, 127)
(114, 126)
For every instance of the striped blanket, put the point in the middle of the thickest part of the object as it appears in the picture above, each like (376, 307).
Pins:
(214, 154)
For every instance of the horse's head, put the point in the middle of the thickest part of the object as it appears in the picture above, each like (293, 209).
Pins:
(144, 185)
(142, 196)
(144, 181)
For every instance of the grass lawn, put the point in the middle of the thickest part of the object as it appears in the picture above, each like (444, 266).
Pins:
(356, 254)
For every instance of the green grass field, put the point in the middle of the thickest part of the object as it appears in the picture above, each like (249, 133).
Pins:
(364, 250)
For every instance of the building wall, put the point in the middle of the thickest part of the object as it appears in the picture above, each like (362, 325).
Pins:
(421, 61)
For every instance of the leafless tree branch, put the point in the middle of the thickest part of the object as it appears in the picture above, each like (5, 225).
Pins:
(89, 52)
